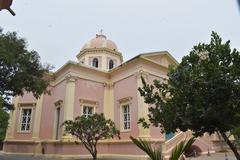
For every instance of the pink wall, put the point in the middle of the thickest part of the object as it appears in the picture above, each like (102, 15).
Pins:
(102, 148)
(27, 97)
(19, 147)
(122, 89)
(48, 110)
(91, 91)
(84, 90)
(88, 90)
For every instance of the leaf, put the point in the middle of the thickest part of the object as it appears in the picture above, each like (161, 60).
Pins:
(154, 154)
(181, 148)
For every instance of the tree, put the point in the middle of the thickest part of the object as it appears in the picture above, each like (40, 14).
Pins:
(4, 116)
(20, 71)
(201, 94)
(89, 130)
(236, 134)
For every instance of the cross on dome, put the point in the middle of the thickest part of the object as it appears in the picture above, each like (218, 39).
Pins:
(101, 31)
(100, 34)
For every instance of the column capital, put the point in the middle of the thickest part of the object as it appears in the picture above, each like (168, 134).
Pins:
(70, 78)
(58, 103)
(109, 85)
(141, 73)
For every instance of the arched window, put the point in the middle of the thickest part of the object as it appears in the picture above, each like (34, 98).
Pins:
(95, 62)
(111, 64)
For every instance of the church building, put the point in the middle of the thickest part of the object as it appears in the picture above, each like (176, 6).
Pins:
(99, 82)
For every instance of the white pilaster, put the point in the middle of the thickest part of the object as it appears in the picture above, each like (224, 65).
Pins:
(142, 106)
(69, 101)
(109, 101)
(37, 118)
(12, 120)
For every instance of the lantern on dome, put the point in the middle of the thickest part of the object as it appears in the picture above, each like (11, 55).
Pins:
(6, 4)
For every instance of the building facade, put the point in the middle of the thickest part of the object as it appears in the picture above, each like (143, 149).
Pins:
(99, 82)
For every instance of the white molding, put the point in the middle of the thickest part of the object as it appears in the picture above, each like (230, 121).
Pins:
(20, 120)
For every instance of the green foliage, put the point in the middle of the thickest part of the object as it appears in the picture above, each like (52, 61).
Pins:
(20, 69)
(90, 130)
(201, 94)
(4, 116)
(236, 133)
(154, 154)
(181, 148)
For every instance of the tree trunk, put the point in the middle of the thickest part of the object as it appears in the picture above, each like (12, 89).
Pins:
(231, 145)
(94, 157)
(221, 140)
(95, 152)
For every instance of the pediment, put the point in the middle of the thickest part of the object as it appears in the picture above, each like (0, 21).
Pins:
(163, 58)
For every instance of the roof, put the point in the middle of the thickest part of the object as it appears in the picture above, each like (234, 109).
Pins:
(143, 56)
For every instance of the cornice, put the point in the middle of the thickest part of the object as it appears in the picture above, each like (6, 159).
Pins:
(61, 77)
(27, 104)
(125, 100)
(98, 50)
(88, 101)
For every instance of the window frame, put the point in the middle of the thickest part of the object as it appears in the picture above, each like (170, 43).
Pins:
(97, 62)
(109, 64)
(21, 118)
(128, 117)
(89, 106)
(122, 129)
(88, 103)
(58, 105)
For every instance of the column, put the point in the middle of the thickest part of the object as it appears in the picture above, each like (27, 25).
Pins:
(104, 63)
(68, 108)
(37, 118)
(12, 120)
(142, 106)
(9, 133)
(109, 101)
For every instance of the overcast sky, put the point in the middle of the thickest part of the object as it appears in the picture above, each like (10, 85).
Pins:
(57, 29)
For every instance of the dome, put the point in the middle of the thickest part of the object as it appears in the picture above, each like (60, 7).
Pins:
(100, 41)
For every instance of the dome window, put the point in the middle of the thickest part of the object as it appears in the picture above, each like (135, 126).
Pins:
(95, 62)
(111, 64)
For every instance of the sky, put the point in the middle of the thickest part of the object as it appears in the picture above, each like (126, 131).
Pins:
(57, 29)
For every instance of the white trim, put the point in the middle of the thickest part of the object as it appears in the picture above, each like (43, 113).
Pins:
(128, 102)
(88, 103)
(55, 122)
(88, 106)
(20, 119)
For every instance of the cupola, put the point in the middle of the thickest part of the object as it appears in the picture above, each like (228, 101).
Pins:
(100, 53)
